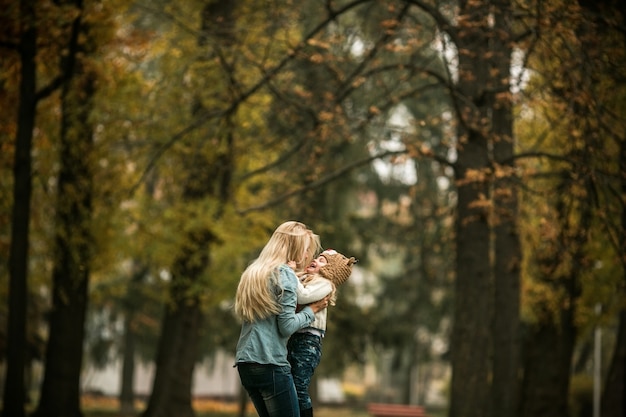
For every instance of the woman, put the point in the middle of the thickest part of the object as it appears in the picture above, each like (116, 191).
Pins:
(266, 303)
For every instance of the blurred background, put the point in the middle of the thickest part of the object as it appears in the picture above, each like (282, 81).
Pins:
(470, 154)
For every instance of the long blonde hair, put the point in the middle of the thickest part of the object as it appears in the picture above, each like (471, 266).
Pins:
(291, 241)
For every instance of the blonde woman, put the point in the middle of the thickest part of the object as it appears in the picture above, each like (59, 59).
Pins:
(266, 304)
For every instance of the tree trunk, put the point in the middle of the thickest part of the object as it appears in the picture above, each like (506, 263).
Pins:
(208, 176)
(548, 350)
(549, 343)
(401, 359)
(614, 394)
(472, 300)
(507, 250)
(60, 390)
(14, 396)
(180, 333)
(613, 403)
(127, 390)
(176, 357)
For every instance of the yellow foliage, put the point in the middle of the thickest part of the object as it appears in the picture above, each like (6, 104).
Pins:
(560, 120)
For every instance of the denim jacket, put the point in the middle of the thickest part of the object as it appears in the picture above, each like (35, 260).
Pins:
(265, 341)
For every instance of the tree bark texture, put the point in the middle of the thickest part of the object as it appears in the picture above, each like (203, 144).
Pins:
(550, 340)
(548, 348)
(60, 390)
(127, 393)
(14, 395)
(614, 392)
(613, 402)
(176, 357)
(507, 249)
(471, 337)
(180, 332)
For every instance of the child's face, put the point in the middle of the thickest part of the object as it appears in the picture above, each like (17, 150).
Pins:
(317, 264)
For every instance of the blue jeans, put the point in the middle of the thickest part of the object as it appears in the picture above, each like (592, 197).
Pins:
(304, 354)
(270, 388)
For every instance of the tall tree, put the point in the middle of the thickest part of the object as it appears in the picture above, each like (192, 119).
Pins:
(605, 48)
(550, 339)
(578, 79)
(131, 311)
(14, 396)
(507, 250)
(207, 177)
(613, 399)
(60, 390)
(472, 303)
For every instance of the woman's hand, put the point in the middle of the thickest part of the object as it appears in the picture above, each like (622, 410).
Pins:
(320, 305)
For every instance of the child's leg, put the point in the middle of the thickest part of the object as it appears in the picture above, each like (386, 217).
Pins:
(305, 352)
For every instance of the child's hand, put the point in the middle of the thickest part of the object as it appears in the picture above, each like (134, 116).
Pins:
(291, 264)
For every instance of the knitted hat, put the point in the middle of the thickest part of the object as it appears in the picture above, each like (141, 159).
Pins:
(338, 268)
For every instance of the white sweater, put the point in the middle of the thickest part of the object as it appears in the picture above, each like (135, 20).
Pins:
(315, 289)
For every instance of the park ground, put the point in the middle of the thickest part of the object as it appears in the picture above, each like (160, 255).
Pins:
(108, 407)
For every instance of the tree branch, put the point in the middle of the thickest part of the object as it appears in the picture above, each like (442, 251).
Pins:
(319, 183)
(50, 88)
(443, 23)
(232, 108)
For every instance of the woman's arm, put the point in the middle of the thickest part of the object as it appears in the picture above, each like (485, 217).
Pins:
(288, 320)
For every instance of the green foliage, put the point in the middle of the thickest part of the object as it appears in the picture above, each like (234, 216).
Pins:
(577, 169)
(581, 396)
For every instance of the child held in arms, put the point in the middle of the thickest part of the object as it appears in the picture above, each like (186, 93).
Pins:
(319, 280)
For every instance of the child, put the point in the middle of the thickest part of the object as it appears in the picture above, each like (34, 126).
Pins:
(305, 346)
(266, 304)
